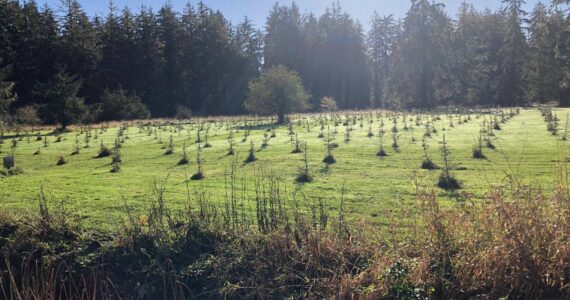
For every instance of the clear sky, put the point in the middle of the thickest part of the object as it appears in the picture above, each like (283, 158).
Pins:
(257, 10)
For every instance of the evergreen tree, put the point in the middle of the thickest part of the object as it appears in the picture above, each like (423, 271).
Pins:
(511, 84)
(79, 52)
(381, 39)
(63, 106)
(423, 79)
(6, 94)
(543, 74)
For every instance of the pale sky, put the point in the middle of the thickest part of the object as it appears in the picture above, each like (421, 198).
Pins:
(257, 10)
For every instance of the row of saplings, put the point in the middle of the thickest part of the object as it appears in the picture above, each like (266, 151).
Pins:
(446, 179)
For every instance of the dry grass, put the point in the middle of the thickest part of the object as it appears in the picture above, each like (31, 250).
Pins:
(514, 245)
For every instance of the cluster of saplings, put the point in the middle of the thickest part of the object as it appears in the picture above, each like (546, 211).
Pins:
(553, 123)
(389, 128)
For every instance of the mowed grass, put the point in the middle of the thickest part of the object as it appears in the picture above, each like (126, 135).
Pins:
(377, 189)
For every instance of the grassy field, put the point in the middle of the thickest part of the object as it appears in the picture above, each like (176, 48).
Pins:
(376, 188)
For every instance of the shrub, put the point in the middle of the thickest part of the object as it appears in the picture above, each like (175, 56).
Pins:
(183, 112)
(328, 104)
(104, 151)
(11, 172)
(61, 160)
(116, 168)
(118, 105)
(28, 115)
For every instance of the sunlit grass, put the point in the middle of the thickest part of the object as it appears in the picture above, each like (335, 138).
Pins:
(377, 187)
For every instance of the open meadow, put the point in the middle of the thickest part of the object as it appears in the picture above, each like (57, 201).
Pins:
(516, 145)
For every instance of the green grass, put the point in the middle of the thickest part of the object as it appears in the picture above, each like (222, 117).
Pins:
(377, 188)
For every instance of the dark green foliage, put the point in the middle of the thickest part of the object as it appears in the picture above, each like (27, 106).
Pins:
(118, 105)
(329, 159)
(400, 285)
(303, 175)
(6, 90)
(184, 160)
(446, 180)
(170, 147)
(478, 149)
(63, 104)
(61, 160)
(117, 153)
(297, 144)
(116, 168)
(250, 154)
(231, 143)
(71, 68)
(104, 151)
(8, 162)
(11, 172)
(199, 175)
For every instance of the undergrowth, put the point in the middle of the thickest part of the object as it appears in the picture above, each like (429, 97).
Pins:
(515, 244)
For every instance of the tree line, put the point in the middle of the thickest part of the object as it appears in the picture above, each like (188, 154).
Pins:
(66, 67)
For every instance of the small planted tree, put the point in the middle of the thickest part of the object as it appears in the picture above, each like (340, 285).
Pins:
(427, 163)
(104, 151)
(200, 162)
(347, 134)
(395, 138)
(278, 91)
(231, 143)
(478, 148)
(303, 175)
(117, 153)
(76, 146)
(446, 180)
(61, 160)
(250, 153)
(381, 152)
(206, 143)
(184, 159)
(265, 142)
(297, 145)
(170, 146)
(427, 132)
(87, 139)
(329, 159)
(290, 129)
